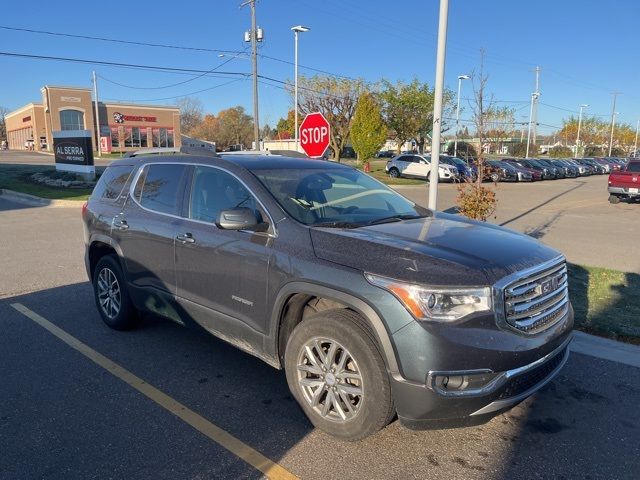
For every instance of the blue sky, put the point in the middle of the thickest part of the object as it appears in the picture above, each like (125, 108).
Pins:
(586, 49)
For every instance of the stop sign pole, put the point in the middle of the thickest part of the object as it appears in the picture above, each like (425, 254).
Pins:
(315, 135)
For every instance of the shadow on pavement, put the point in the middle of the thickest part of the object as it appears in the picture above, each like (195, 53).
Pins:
(540, 205)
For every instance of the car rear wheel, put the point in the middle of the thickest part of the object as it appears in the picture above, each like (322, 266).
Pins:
(613, 199)
(111, 295)
(495, 178)
(394, 172)
(336, 373)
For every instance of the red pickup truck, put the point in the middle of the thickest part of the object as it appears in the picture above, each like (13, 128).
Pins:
(625, 183)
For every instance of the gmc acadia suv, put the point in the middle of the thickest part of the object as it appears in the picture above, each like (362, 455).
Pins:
(373, 305)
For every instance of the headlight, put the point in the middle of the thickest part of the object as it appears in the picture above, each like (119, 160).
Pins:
(435, 303)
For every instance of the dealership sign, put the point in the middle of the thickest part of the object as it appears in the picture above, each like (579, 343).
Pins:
(121, 118)
(73, 151)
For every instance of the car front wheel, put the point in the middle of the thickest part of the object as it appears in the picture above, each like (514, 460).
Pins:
(394, 173)
(336, 373)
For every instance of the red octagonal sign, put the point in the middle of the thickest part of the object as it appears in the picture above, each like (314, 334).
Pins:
(315, 134)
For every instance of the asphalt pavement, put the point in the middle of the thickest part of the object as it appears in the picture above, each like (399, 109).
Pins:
(64, 416)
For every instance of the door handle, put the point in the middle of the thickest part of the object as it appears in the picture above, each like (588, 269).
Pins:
(121, 224)
(185, 238)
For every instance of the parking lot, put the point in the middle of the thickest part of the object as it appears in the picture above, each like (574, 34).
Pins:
(162, 401)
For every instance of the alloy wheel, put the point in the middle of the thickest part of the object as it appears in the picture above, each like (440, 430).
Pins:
(330, 379)
(109, 294)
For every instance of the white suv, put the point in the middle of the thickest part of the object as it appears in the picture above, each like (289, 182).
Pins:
(418, 166)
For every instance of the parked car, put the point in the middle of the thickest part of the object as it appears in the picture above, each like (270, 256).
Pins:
(608, 164)
(536, 175)
(385, 154)
(569, 170)
(464, 171)
(554, 169)
(418, 166)
(372, 305)
(583, 170)
(592, 167)
(546, 172)
(625, 183)
(500, 172)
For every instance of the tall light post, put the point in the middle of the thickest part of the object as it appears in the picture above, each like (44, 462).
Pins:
(297, 29)
(437, 103)
(635, 143)
(455, 144)
(534, 97)
(583, 106)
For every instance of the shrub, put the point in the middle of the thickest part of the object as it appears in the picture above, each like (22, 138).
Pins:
(560, 152)
(476, 201)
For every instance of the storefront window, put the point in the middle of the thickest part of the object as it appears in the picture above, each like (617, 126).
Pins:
(115, 137)
(128, 137)
(155, 134)
(143, 138)
(71, 120)
(170, 142)
(162, 137)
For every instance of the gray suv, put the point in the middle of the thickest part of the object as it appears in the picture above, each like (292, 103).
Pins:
(373, 305)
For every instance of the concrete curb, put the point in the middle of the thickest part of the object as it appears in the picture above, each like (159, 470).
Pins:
(34, 201)
(606, 349)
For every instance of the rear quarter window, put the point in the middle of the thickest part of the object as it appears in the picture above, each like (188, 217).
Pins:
(111, 182)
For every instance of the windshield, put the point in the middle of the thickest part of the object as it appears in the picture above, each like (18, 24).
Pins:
(633, 167)
(336, 197)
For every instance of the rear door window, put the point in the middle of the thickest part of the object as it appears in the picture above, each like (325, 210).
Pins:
(161, 187)
(111, 182)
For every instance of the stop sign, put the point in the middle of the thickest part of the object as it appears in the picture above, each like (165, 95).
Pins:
(315, 134)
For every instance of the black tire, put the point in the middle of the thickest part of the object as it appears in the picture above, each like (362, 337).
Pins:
(613, 199)
(394, 172)
(375, 408)
(495, 178)
(126, 316)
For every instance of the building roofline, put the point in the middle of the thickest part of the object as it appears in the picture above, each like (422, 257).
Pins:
(139, 105)
(66, 87)
(23, 108)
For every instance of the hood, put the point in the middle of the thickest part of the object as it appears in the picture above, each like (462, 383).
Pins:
(441, 250)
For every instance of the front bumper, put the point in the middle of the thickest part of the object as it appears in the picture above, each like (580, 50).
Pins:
(518, 366)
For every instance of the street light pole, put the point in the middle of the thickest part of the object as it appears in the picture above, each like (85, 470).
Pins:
(613, 120)
(579, 124)
(297, 29)
(97, 113)
(635, 144)
(455, 144)
(437, 103)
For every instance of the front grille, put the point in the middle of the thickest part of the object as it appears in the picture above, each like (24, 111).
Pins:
(530, 379)
(536, 302)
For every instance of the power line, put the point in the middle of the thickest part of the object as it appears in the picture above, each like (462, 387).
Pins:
(181, 96)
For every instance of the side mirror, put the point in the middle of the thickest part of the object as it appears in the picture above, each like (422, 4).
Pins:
(240, 219)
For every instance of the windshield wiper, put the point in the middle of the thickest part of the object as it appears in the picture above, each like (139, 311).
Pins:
(395, 218)
(337, 224)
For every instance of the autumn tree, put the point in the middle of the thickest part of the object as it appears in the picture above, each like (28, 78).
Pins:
(499, 123)
(207, 129)
(235, 127)
(336, 99)
(3, 125)
(408, 111)
(191, 114)
(285, 128)
(368, 130)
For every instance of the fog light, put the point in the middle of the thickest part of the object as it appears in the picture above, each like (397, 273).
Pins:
(463, 383)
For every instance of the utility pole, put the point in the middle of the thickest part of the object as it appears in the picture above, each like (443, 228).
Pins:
(95, 97)
(535, 107)
(534, 98)
(584, 105)
(437, 103)
(613, 119)
(254, 36)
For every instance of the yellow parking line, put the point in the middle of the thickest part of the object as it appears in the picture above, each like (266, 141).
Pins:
(223, 438)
